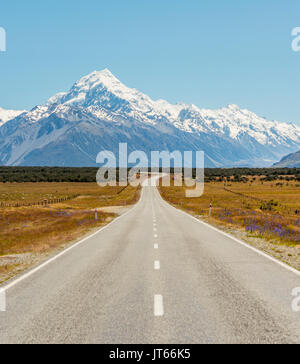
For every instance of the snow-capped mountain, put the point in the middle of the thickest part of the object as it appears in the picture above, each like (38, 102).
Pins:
(99, 112)
(6, 115)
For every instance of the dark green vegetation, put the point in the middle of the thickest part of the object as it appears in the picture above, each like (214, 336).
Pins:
(47, 174)
(251, 174)
(88, 174)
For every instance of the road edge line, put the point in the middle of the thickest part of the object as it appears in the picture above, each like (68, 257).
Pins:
(63, 252)
(243, 243)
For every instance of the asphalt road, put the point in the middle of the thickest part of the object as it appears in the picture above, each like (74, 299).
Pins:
(155, 275)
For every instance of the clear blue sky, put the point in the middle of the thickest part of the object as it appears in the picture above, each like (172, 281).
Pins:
(210, 53)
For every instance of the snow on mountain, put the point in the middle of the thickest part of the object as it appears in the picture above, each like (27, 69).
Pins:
(6, 115)
(234, 122)
(105, 90)
(99, 111)
(102, 88)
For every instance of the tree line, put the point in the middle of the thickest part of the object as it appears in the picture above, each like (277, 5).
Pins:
(88, 174)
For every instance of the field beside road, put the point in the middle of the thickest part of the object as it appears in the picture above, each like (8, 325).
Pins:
(264, 213)
(154, 276)
(55, 215)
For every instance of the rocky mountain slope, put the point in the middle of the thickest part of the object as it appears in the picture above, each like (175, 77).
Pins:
(290, 161)
(99, 112)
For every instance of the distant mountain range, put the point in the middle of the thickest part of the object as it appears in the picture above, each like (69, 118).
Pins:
(289, 161)
(99, 112)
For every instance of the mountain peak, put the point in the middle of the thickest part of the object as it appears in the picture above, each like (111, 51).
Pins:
(102, 88)
(105, 111)
(90, 88)
(96, 78)
(6, 115)
(105, 72)
(101, 75)
(233, 107)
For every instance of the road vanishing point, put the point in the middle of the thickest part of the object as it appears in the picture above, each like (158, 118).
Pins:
(153, 275)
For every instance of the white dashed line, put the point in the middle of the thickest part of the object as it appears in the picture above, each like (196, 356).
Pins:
(157, 265)
(155, 246)
(154, 229)
(158, 305)
(155, 236)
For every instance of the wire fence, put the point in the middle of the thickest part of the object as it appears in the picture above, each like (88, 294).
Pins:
(44, 202)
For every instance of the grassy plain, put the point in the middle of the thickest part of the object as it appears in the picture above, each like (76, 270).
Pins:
(269, 211)
(27, 232)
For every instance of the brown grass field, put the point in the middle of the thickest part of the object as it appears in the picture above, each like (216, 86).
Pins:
(29, 232)
(266, 212)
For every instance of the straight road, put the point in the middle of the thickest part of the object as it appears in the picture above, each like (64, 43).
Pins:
(155, 275)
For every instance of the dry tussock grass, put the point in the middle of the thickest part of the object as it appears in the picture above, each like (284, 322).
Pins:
(271, 213)
(41, 229)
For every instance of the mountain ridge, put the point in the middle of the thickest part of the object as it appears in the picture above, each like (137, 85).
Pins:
(6, 115)
(291, 160)
(99, 111)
